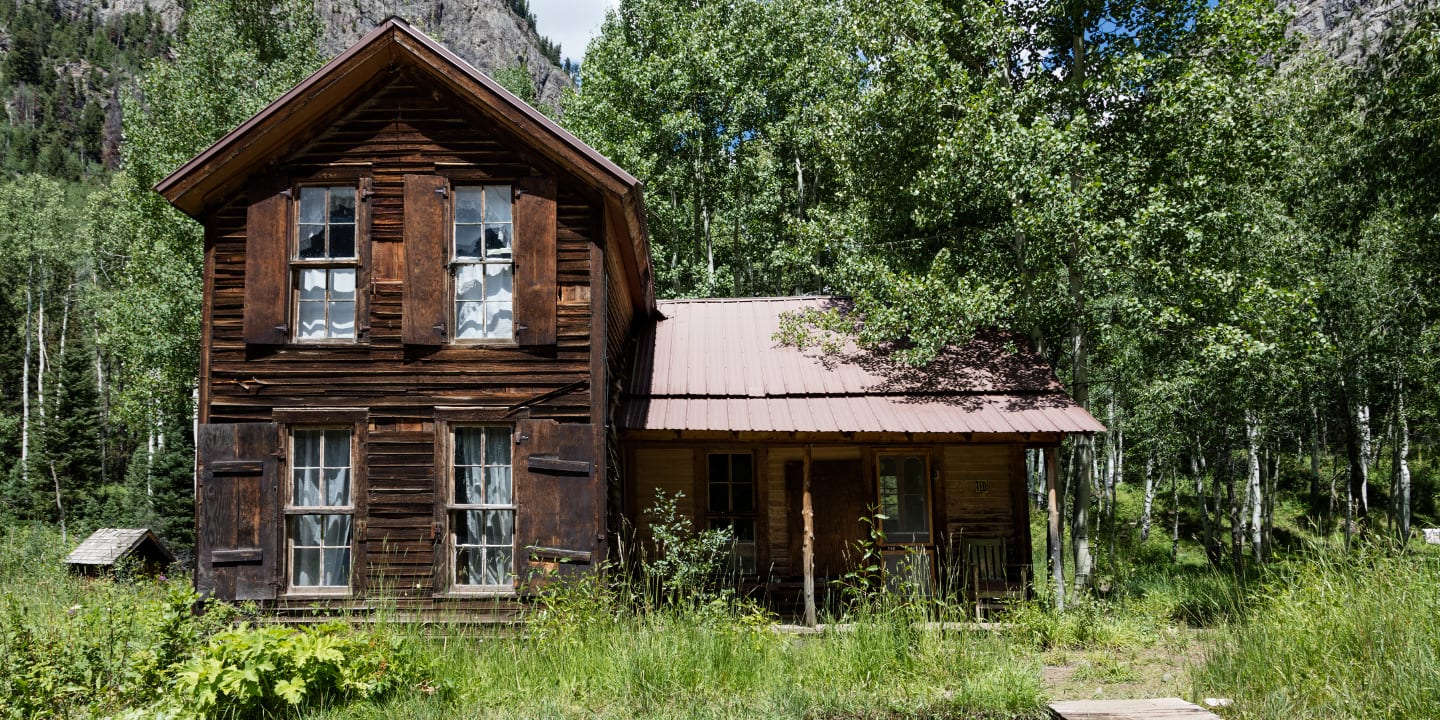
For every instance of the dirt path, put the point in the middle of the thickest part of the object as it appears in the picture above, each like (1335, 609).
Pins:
(1159, 671)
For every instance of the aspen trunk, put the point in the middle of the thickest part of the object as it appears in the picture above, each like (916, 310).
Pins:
(1363, 442)
(1254, 498)
(1053, 535)
(25, 383)
(807, 514)
(1401, 465)
(1315, 479)
(1174, 516)
(1149, 499)
(1206, 531)
(1080, 375)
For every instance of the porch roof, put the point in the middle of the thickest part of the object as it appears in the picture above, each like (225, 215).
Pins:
(715, 365)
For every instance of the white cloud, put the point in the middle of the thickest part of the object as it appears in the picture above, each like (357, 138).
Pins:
(572, 23)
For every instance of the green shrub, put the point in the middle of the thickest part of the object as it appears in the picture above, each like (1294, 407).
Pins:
(256, 672)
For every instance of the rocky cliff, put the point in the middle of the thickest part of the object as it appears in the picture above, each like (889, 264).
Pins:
(1350, 30)
(488, 34)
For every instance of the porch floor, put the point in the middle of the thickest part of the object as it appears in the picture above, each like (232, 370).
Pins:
(1156, 709)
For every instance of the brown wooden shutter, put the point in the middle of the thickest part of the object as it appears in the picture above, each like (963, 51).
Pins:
(238, 541)
(535, 261)
(557, 497)
(424, 308)
(267, 262)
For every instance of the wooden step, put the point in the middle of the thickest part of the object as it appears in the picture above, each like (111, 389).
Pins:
(1156, 709)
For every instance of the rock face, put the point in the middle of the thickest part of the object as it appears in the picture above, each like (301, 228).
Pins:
(486, 33)
(1350, 30)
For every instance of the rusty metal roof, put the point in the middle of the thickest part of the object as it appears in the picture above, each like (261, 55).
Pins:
(715, 365)
(107, 545)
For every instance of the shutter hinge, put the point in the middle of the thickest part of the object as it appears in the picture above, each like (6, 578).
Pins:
(365, 193)
(440, 191)
(439, 328)
(286, 193)
(434, 532)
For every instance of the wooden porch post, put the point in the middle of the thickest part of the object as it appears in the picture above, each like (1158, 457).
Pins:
(1057, 558)
(807, 515)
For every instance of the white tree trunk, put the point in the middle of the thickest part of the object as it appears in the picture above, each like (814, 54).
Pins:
(1362, 429)
(1402, 465)
(25, 386)
(1149, 499)
(1254, 499)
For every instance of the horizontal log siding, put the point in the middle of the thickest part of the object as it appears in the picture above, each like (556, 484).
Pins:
(970, 512)
(403, 129)
(657, 469)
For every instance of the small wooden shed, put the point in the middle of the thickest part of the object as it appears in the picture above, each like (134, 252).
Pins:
(107, 547)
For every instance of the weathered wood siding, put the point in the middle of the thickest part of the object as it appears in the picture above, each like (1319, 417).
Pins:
(668, 470)
(404, 128)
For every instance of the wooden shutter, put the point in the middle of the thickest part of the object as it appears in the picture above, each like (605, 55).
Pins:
(558, 518)
(238, 543)
(267, 262)
(424, 308)
(535, 261)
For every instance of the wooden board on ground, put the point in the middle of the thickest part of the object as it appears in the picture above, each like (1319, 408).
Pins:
(1157, 709)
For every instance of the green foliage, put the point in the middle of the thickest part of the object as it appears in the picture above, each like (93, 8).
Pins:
(686, 563)
(259, 672)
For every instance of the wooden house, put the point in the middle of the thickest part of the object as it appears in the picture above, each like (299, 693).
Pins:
(433, 365)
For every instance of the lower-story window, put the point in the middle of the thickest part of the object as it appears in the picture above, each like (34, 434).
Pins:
(320, 513)
(730, 484)
(482, 509)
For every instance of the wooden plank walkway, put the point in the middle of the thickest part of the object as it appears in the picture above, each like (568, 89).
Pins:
(1159, 709)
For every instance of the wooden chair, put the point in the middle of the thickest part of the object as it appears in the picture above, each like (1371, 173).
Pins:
(990, 589)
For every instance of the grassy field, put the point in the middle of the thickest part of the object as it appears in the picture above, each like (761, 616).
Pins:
(1319, 634)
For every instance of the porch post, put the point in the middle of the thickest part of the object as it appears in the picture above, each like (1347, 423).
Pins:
(807, 515)
(1057, 558)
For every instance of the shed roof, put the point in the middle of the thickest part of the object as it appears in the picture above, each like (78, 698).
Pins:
(715, 365)
(107, 545)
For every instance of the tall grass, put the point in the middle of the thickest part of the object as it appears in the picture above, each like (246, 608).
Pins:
(711, 661)
(1335, 636)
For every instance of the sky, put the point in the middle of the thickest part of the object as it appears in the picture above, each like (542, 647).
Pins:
(570, 22)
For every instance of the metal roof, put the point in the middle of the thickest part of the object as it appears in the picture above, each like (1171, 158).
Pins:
(715, 365)
(107, 545)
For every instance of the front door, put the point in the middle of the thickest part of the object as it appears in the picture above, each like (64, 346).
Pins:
(840, 496)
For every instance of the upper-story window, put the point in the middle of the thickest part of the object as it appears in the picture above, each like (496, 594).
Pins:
(325, 264)
(484, 263)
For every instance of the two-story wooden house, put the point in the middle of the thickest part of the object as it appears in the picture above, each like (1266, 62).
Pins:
(433, 365)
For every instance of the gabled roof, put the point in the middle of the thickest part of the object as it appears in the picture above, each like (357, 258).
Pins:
(107, 545)
(713, 365)
(211, 177)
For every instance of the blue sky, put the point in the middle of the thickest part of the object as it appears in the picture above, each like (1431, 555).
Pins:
(570, 22)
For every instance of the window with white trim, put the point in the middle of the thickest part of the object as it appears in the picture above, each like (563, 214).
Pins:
(483, 262)
(482, 509)
(905, 498)
(320, 511)
(325, 264)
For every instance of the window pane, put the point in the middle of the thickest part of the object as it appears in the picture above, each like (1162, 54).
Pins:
(718, 468)
(342, 205)
(497, 570)
(337, 567)
(342, 320)
(342, 241)
(468, 446)
(312, 320)
(744, 497)
(312, 284)
(469, 569)
(719, 497)
(741, 467)
(468, 205)
(312, 205)
(497, 490)
(468, 485)
(499, 526)
(497, 320)
(337, 448)
(468, 527)
(312, 242)
(468, 282)
(498, 283)
(743, 530)
(307, 530)
(337, 487)
(497, 242)
(306, 492)
(307, 448)
(337, 530)
(497, 203)
(307, 567)
(467, 242)
(497, 446)
(469, 320)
